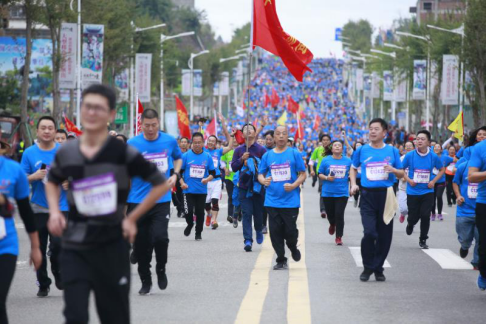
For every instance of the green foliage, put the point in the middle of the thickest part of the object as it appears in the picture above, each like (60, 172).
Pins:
(359, 35)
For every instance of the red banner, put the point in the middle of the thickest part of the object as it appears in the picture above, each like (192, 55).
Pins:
(183, 120)
(71, 127)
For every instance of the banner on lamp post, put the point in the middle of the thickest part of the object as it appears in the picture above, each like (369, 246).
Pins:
(376, 86)
(122, 85)
(197, 82)
(224, 84)
(92, 59)
(388, 94)
(122, 114)
(68, 41)
(419, 78)
(401, 88)
(367, 84)
(143, 63)
(449, 83)
(360, 79)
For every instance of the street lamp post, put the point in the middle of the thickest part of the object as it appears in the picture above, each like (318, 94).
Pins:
(428, 70)
(163, 39)
(190, 64)
(237, 57)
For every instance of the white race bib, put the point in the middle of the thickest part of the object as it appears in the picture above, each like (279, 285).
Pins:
(339, 170)
(96, 196)
(215, 161)
(281, 172)
(421, 176)
(197, 171)
(374, 171)
(472, 190)
(450, 167)
(159, 159)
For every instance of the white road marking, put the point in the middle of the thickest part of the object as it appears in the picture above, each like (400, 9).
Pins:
(448, 260)
(357, 257)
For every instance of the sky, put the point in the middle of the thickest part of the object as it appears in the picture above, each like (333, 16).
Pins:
(313, 22)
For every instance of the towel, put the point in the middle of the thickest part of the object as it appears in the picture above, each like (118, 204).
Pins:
(390, 206)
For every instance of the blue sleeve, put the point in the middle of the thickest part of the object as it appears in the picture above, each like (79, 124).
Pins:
(22, 186)
(176, 152)
(263, 168)
(459, 174)
(300, 167)
(356, 157)
(322, 168)
(211, 166)
(405, 161)
(397, 159)
(236, 162)
(25, 163)
(183, 166)
(475, 159)
(438, 163)
(460, 153)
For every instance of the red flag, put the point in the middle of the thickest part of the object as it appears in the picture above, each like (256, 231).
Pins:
(302, 114)
(267, 100)
(300, 131)
(274, 98)
(317, 123)
(268, 34)
(140, 110)
(256, 121)
(183, 120)
(239, 137)
(71, 127)
(292, 106)
(211, 128)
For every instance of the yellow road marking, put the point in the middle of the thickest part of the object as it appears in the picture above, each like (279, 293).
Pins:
(298, 304)
(251, 307)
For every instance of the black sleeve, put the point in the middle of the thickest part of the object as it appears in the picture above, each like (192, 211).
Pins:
(212, 172)
(140, 167)
(27, 215)
(55, 172)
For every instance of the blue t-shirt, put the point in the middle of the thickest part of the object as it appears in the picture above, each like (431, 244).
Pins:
(477, 160)
(13, 184)
(32, 160)
(283, 168)
(372, 162)
(445, 160)
(359, 171)
(341, 169)
(216, 155)
(162, 152)
(196, 167)
(421, 170)
(467, 190)
(460, 152)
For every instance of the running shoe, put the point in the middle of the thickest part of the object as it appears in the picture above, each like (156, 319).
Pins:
(230, 219)
(450, 205)
(481, 282)
(323, 214)
(331, 229)
(409, 229)
(463, 253)
(433, 217)
(146, 288)
(240, 216)
(235, 222)
(338, 241)
(475, 266)
(365, 275)
(264, 230)
(281, 266)
(402, 218)
(423, 245)
(162, 279)
(296, 254)
(259, 237)
(43, 292)
(440, 217)
(214, 225)
(379, 276)
(197, 237)
(248, 246)
(188, 229)
(208, 220)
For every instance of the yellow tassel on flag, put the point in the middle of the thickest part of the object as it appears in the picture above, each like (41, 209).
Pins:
(457, 126)
(283, 119)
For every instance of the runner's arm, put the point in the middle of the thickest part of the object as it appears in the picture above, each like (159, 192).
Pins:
(475, 176)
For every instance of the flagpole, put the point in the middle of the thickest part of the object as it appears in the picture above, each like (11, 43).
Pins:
(248, 101)
(136, 110)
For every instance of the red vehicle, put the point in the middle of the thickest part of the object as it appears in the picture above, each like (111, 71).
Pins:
(10, 131)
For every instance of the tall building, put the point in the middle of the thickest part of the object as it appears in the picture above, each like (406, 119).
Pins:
(426, 10)
(184, 3)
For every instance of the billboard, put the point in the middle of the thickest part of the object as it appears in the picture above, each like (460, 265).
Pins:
(92, 60)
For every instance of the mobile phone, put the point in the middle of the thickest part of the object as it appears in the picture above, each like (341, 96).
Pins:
(43, 166)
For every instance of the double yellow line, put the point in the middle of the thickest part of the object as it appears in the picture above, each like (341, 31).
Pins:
(298, 304)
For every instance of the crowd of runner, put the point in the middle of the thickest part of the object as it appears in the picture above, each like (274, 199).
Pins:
(81, 200)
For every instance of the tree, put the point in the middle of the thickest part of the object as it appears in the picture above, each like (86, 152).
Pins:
(359, 35)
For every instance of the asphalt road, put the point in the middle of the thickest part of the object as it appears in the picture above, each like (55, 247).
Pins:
(215, 281)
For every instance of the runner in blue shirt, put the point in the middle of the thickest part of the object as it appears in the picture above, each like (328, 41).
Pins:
(196, 172)
(36, 162)
(466, 194)
(334, 171)
(282, 171)
(440, 185)
(162, 150)
(476, 174)
(13, 185)
(421, 180)
(380, 164)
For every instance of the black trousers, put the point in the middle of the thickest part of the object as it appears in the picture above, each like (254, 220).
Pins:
(322, 203)
(359, 184)
(419, 208)
(377, 239)
(105, 270)
(265, 214)
(335, 209)
(451, 198)
(439, 190)
(480, 223)
(283, 229)
(7, 270)
(55, 246)
(180, 197)
(152, 235)
(229, 187)
(194, 204)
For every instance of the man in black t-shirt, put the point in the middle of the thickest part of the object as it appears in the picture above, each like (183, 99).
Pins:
(95, 255)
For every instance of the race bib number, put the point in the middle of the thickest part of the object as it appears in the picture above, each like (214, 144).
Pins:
(472, 190)
(421, 176)
(375, 171)
(96, 196)
(197, 171)
(159, 159)
(339, 171)
(215, 161)
(281, 172)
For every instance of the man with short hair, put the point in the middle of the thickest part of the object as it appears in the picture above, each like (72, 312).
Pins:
(36, 162)
(421, 181)
(315, 162)
(95, 255)
(61, 136)
(162, 150)
(380, 164)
